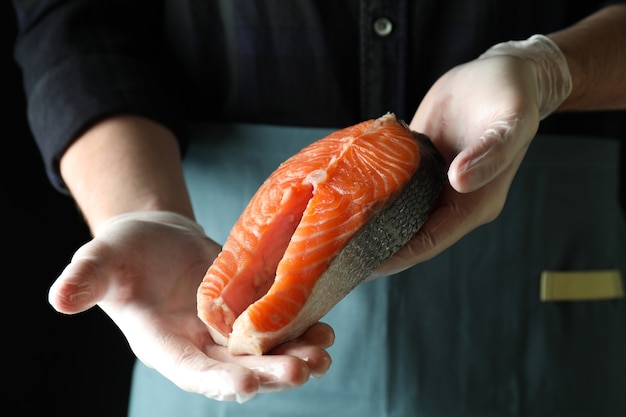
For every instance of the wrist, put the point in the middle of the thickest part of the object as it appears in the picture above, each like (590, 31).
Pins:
(554, 81)
(125, 164)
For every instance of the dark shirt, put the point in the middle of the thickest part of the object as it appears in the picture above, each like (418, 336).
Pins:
(314, 63)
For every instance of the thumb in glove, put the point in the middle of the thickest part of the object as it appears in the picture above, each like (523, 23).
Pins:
(528, 93)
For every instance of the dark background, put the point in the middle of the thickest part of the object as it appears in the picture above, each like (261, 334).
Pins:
(57, 365)
(64, 365)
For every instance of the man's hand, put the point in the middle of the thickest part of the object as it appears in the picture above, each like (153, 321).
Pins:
(482, 116)
(143, 269)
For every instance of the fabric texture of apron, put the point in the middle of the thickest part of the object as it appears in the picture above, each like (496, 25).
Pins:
(464, 334)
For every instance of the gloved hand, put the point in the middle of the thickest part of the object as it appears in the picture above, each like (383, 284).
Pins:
(482, 116)
(143, 269)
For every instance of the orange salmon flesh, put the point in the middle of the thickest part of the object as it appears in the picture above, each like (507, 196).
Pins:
(261, 289)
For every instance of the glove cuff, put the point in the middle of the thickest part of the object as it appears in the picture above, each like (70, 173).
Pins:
(553, 75)
(164, 217)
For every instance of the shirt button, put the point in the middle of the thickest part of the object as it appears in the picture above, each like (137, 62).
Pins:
(383, 26)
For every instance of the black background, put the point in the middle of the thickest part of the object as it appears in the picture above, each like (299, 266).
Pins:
(57, 365)
(68, 366)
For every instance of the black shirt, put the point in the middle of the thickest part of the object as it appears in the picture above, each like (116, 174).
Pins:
(315, 63)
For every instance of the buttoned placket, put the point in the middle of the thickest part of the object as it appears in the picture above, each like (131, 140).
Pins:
(382, 56)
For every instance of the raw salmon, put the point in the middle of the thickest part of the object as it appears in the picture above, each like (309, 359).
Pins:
(317, 227)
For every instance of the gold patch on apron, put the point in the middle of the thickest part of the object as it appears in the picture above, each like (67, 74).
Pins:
(581, 285)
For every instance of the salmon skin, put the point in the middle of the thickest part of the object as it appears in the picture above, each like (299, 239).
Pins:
(318, 226)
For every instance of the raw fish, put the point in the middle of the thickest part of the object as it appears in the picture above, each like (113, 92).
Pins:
(318, 226)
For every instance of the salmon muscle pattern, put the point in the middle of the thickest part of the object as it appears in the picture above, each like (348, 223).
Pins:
(319, 225)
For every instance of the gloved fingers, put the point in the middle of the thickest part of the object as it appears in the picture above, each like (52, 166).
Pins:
(177, 344)
(319, 334)
(219, 375)
(276, 372)
(455, 215)
(451, 219)
(205, 373)
(488, 156)
(146, 256)
(479, 178)
(224, 382)
(79, 287)
(310, 348)
(215, 373)
(316, 360)
(288, 365)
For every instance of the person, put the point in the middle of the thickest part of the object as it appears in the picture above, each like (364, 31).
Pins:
(159, 117)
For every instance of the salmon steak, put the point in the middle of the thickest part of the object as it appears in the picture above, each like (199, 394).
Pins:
(318, 226)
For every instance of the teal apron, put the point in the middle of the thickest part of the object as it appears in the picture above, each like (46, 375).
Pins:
(464, 334)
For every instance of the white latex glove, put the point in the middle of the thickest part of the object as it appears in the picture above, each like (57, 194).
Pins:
(482, 116)
(143, 269)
